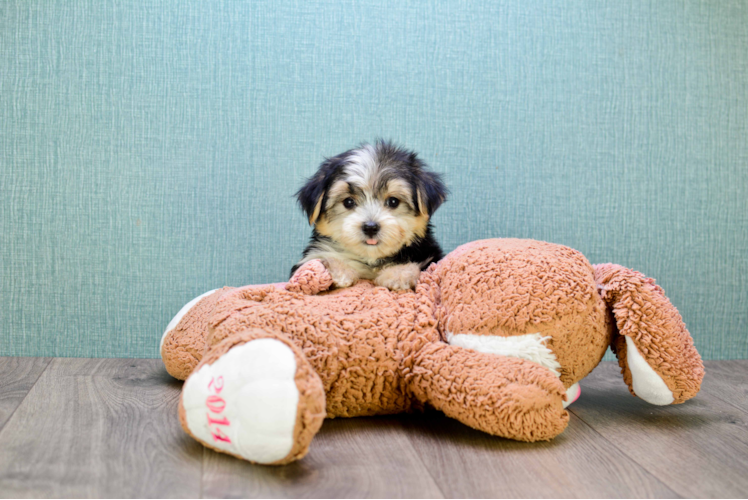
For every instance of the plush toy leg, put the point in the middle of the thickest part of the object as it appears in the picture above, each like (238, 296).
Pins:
(254, 396)
(184, 340)
(656, 354)
(503, 396)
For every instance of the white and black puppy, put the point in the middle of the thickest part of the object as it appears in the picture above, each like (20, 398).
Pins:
(370, 209)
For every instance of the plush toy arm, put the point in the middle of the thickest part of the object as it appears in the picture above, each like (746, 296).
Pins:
(311, 278)
(656, 354)
(503, 396)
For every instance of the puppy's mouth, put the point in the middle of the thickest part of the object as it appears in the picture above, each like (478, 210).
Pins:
(372, 241)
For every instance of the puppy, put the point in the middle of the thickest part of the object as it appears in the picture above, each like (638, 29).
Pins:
(370, 209)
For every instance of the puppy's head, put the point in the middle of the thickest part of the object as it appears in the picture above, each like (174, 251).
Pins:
(372, 200)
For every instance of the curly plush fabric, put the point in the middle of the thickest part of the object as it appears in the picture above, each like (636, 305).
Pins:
(310, 279)
(511, 287)
(645, 315)
(183, 346)
(537, 315)
(523, 403)
(360, 357)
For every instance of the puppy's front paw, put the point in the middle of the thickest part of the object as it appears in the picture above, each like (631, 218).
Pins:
(399, 277)
(342, 274)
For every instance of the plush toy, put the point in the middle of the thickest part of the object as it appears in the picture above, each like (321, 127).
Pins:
(496, 335)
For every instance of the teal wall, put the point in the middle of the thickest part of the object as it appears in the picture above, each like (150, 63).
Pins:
(149, 150)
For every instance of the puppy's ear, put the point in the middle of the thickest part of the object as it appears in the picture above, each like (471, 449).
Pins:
(430, 191)
(312, 195)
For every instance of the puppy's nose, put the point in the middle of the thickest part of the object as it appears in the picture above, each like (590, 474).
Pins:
(370, 228)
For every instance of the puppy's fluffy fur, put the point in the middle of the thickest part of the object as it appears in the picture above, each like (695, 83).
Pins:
(370, 209)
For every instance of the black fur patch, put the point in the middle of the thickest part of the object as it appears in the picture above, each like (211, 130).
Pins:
(318, 184)
(422, 251)
(313, 240)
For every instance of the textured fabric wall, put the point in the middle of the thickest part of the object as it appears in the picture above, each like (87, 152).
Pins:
(149, 151)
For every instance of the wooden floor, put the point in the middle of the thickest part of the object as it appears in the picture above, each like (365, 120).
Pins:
(109, 428)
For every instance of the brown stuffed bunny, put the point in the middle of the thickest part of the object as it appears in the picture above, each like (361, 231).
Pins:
(496, 335)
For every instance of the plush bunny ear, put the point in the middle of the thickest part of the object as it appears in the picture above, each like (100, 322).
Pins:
(312, 195)
(430, 189)
(656, 353)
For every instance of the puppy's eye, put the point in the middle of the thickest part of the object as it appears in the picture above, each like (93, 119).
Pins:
(349, 203)
(392, 202)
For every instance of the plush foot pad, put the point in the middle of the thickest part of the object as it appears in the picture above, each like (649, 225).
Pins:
(246, 402)
(572, 394)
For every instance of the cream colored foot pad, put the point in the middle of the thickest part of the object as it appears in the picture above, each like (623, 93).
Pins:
(246, 402)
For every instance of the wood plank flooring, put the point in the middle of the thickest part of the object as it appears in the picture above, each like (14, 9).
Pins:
(109, 428)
